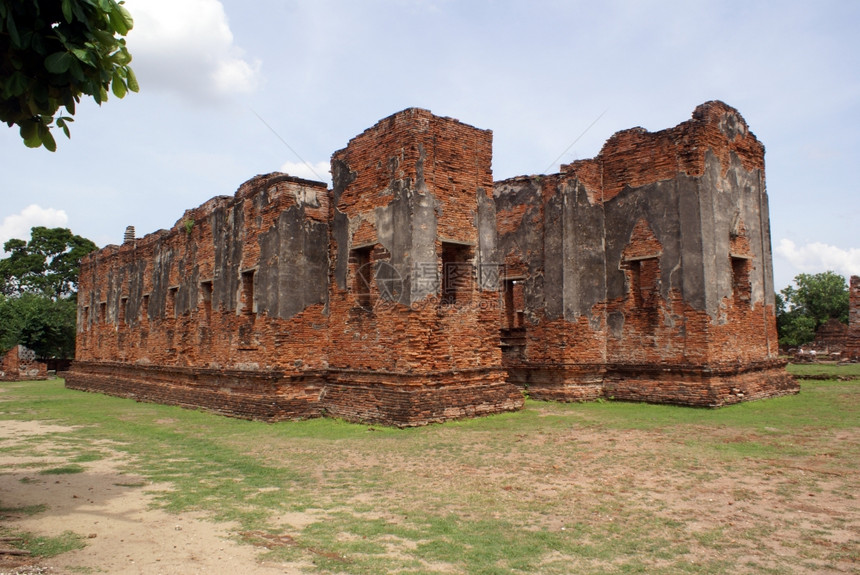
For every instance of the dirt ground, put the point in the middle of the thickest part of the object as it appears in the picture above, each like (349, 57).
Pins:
(124, 535)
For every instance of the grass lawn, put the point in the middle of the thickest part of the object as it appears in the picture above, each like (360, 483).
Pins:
(604, 487)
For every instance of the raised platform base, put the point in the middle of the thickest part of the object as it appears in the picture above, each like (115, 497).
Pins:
(265, 396)
(387, 398)
(711, 386)
(408, 399)
(412, 399)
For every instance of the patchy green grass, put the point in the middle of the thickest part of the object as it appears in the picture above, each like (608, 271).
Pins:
(87, 457)
(826, 369)
(760, 487)
(39, 546)
(22, 511)
(62, 470)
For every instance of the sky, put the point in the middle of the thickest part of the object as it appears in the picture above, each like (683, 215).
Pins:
(231, 89)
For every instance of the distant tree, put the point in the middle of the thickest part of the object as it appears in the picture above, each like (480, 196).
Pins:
(52, 52)
(813, 300)
(48, 264)
(9, 325)
(45, 325)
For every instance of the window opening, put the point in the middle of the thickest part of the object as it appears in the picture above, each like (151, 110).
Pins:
(645, 282)
(123, 308)
(741, 288)
(363, 276)
(514, 303)
(170, 308)
(206, 298)
(457, 280)
(247, 305)
(102, 312)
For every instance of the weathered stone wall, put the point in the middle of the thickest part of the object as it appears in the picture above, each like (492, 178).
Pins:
(654, 253)
(852, 340)
(830, 338)
(226, 287)
(19, 363)
(226, 310)
(287, 279)
(411, 216)
(417, 290)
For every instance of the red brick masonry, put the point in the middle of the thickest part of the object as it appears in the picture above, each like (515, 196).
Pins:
(19, 363)
(852, 339)
(418, 290)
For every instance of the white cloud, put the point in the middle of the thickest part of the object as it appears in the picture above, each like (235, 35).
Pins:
(318, 171)
(186, 46)
(18, 226)
(817, 257)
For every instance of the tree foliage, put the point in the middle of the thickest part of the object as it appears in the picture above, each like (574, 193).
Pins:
(38, 289)
(813, 300)
(48, 264)
(44, 325)
(52, 52)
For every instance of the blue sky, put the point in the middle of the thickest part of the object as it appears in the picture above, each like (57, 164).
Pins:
(225, 84)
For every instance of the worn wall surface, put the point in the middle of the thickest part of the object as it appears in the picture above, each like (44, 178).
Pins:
(178, 297)
(323, 301)
(19, 364)
(418, 290)
(228, 307)
(411, 215)
(852, 340)
(656, 253)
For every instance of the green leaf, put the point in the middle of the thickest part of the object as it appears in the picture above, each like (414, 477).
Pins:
(16, 85)
(67, 11)
(76, 71)
(62, 122)
(47, 138)
(132, 80)
(80, 15)
(13, 30)
(121, 57)
(106, 39)
(69, 102)
(118, 85)
(58, 62)
(118, 21)
(30, 134)
(126, 17)
(84, 56)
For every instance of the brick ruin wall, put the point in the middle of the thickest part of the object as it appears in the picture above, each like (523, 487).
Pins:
(852, 339)
(251, 305)
(417, 290)
(19, 364)
(674, 286)
(405, 210)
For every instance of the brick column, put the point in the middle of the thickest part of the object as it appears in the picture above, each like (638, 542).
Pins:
(852, 342)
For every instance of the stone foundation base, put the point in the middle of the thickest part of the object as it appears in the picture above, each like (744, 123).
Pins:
(681, 385)
(387, 398)
(266, 396)
(407, 399)
(713, 386)
(572, 382)
(417, 399)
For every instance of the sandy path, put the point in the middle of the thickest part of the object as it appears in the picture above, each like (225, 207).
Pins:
(124, 535)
